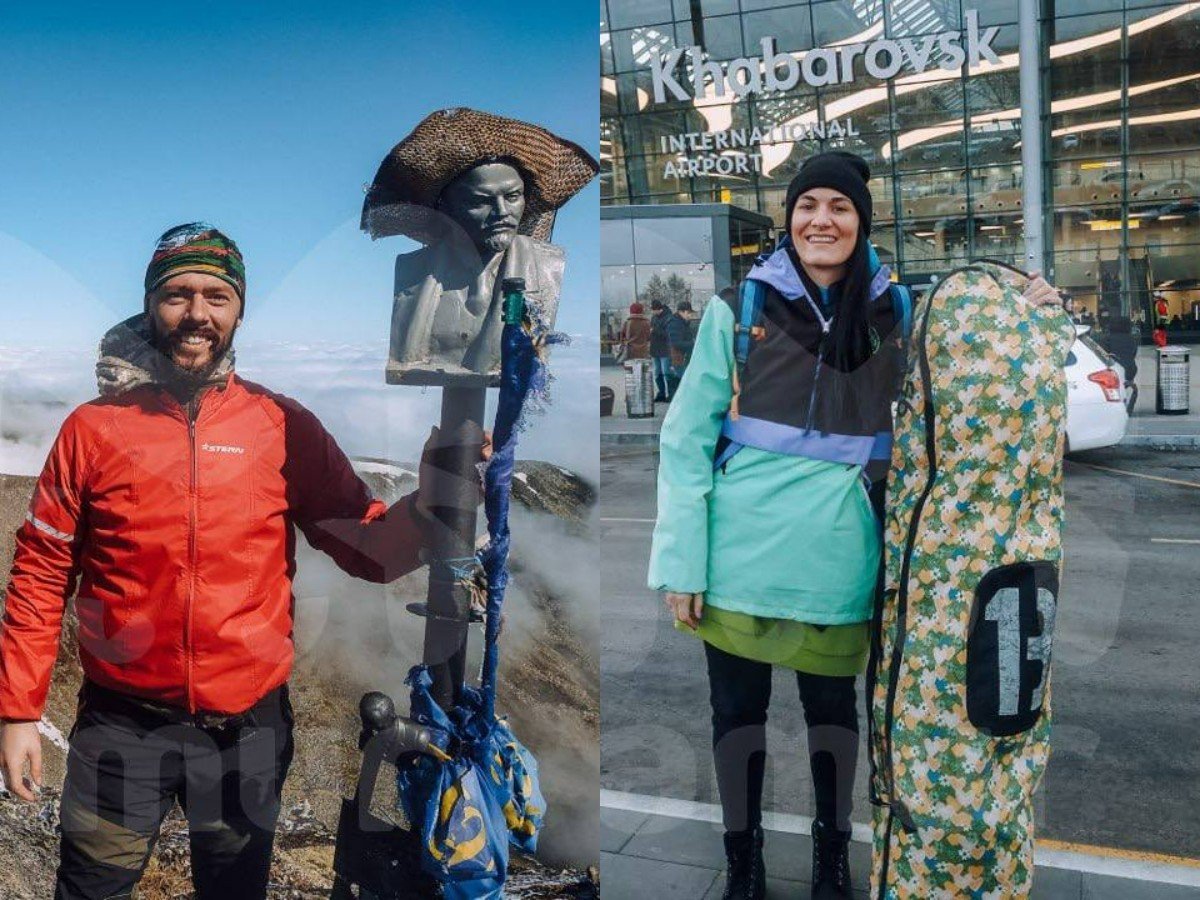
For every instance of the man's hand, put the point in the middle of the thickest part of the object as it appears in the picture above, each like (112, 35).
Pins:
(1040, 292)
(687, 608)
(20, 743)
(437, 485)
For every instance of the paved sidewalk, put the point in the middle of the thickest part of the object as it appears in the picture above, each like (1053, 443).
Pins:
(668, 857)
(1146, 428)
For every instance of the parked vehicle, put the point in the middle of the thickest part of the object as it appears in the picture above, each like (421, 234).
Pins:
(1096, 396)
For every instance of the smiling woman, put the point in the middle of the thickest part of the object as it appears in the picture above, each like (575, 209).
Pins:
(766, 543)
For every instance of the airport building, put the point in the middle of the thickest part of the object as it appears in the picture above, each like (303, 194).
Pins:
(714, 104)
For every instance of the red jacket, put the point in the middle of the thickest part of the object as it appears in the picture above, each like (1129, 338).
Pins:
(182, 538)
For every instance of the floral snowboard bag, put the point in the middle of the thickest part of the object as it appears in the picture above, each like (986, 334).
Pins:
(960, 666)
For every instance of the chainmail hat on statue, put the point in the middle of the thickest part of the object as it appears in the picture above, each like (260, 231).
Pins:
(479, 192)
(404, 195)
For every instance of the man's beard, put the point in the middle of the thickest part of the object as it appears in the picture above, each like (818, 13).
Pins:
(188, 380)
(497, 242)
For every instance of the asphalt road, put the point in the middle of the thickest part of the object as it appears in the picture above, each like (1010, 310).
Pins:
(1124, 770)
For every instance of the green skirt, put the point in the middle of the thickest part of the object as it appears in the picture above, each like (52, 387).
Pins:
(819, 650)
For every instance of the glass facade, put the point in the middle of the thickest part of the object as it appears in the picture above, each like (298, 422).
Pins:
(673, 254)
(1120, 128)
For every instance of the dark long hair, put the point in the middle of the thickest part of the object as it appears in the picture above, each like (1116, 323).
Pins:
(849, 344)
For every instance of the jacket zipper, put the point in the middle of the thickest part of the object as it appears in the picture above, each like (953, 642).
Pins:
(192, 412)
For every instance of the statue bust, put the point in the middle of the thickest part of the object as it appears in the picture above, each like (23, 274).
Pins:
(480, 193)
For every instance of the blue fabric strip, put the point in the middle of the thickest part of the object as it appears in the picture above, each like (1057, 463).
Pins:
(852, 449)
(727, 454)
(882, 446)
(880, 282)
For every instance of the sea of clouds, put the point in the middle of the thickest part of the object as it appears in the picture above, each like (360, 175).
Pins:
(342, 383)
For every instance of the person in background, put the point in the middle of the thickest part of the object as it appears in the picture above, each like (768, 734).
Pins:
(635, 333)
(660, 350)
(1120, 342)
(1161, 316)
(681, 332)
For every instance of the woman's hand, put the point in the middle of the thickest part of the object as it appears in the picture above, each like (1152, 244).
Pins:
(1040, 292)
(687, 608)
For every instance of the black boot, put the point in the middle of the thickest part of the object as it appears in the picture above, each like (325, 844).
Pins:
(745, 874)
(830, 862)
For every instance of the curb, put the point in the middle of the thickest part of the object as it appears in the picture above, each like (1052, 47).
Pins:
(628, 438)
(1151, 441)
(1105, 862)
(1162, 441)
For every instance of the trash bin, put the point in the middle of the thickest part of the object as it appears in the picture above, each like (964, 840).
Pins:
(1174, 377)
(639, 389)
(607, 397)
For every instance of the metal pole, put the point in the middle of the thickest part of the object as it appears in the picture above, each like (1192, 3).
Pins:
(1031, 135)
(456, 509)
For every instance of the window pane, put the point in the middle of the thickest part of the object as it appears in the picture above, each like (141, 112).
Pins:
(995, 12)
(683, 8)
(646, 133)
(624, 13)
(944, 149)
(698, 281)
(637, 48)
(790, 27)
(999, 237)
(997, 190)
(616, 286)
(837, 21)
(721, 37)
(928, 194)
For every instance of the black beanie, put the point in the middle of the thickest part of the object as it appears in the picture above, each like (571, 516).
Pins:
(846, 173)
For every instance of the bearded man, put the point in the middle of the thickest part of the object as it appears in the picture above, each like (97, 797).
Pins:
(173, 501)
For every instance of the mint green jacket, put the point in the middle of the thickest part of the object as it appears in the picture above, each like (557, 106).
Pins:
(777, 536)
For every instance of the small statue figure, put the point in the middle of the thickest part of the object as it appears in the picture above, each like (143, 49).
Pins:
(480, 192)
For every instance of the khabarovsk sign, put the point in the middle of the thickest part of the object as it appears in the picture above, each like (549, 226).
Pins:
(776, 71)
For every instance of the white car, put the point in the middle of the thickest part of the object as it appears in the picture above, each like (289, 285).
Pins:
(1096, 412)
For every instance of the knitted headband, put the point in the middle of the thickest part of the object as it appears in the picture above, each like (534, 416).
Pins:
(197, 247)
(844, 172)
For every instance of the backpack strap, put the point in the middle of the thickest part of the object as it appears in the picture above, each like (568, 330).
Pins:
(748, 328)
(746, 331)
(902, 308)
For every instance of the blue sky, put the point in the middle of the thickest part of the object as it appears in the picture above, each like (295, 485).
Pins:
(268, 120)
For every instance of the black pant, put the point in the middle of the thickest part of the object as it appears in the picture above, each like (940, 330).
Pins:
(129, 763)
(740, 691)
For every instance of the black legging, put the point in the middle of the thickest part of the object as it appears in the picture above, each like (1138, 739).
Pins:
(740, 691)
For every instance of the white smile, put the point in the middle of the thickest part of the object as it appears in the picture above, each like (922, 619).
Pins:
(821, 239)
(194, 341)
